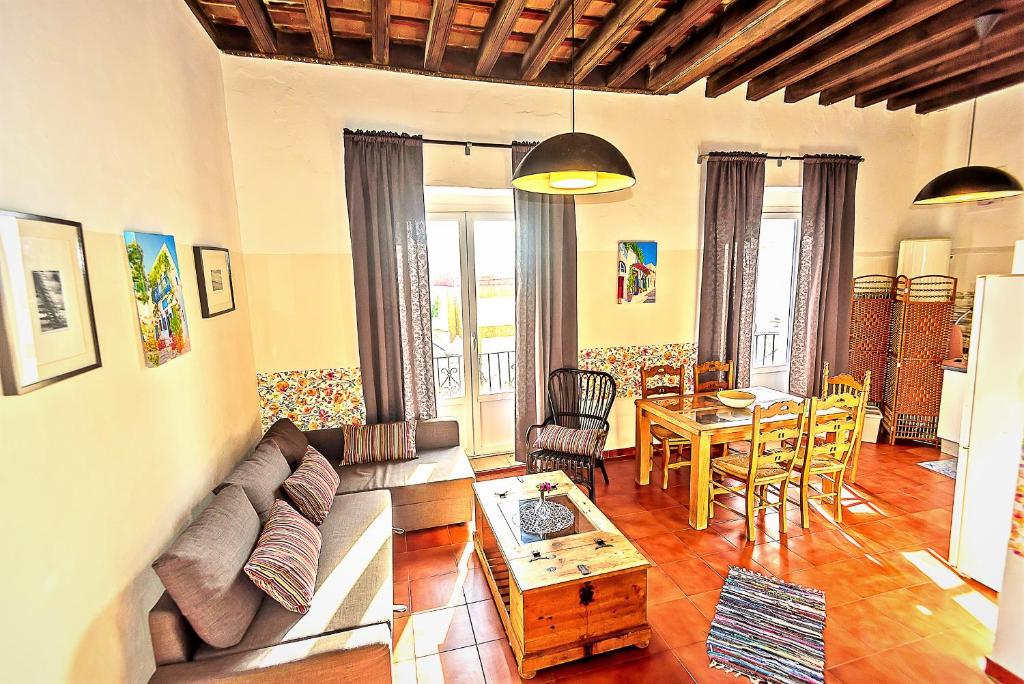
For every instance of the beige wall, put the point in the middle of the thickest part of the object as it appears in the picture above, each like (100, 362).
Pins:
(286, 122)
(983, 234)
(112, 114)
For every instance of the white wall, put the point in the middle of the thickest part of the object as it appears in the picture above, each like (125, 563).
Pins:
(112, 114)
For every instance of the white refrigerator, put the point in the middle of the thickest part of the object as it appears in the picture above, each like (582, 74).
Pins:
(991, 431)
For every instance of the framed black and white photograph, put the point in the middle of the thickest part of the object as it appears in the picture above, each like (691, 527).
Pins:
(47, 325)
(216, 289)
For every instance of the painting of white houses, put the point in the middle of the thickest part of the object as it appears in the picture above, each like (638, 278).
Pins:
(156, 282)
(638, 265)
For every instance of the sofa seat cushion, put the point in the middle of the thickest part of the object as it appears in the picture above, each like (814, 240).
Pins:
(435, 474)
(353, 584)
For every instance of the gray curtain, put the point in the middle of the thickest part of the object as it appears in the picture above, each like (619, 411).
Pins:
(387, 222)
(821, 311)
(546, 332)
(733, 198)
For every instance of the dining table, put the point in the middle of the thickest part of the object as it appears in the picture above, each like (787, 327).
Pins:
(704, 421)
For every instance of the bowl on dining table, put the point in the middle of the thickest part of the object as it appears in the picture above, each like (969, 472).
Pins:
(736, 398)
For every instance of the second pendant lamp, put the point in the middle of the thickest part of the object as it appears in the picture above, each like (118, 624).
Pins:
(573, 163)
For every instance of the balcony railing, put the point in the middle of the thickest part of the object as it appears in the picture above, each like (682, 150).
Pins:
(766, 349)
(497, 374)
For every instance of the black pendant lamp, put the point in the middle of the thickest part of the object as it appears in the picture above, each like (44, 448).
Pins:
(971, 183)
(573, 163)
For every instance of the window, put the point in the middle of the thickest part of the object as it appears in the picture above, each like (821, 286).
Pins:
(773, 296)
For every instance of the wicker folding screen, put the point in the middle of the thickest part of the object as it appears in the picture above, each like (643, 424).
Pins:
(919, 330)
(870, 317)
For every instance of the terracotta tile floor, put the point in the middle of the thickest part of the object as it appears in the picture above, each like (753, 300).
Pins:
(896, 611)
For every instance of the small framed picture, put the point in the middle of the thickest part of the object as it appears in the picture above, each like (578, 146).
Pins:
(216, 289)
(47, 325)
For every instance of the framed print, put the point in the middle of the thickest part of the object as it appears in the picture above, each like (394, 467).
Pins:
(47, 325)
(216, 288)
(638, 266)
(156, 284)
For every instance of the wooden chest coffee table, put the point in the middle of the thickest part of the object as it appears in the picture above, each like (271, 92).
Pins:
(561, 596)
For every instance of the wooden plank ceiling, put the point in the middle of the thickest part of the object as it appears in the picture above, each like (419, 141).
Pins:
(920, 53)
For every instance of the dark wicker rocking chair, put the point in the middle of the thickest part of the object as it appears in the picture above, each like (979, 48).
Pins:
(581, 400)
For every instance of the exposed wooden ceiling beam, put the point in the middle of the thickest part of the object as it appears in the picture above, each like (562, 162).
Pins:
(203, 20)
(667, 31)
(380, 31)
(932, 30)
(442, 14)
(953, 86)
(613, 31)
(995, 50)
(822, 24)
(499, 28)
(873, 29)
(320, 28)
(960, 45)
(966, 94)
(254, 16)
(550, 35)
(735, 30)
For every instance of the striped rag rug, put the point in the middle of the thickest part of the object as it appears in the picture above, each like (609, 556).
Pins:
(768, 630)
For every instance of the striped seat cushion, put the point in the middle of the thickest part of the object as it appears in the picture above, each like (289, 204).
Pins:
(312, 486)
(284, 562)
(587, 442)
(378, 443)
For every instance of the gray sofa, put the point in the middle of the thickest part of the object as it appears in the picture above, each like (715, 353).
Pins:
(346, 635)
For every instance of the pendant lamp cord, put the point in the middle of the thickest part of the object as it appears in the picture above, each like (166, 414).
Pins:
(970, 140)
(572, 62)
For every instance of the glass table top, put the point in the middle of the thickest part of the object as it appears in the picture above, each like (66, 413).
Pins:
(512, 509)
(706, 410)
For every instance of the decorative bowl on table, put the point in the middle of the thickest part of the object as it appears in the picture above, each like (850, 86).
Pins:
(736, 398)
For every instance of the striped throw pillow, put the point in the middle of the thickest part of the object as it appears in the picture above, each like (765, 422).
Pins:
(378, 443)
(285, 559)
(312, 486)
(587, 442)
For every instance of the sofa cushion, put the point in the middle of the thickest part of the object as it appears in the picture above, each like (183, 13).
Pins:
(434, 475)
(353, 584)
(289, 439)
(312, 486)
(283, 564)
(380, 442)
(260, 474)
(202, 571)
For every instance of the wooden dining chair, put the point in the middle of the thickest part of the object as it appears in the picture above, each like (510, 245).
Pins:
(832, 432)
(846, 383)
(768, 468)
(666, 381)
(722, 376)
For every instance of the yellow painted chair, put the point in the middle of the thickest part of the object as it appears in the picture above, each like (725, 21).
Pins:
(832, 431)
(768, 466)
(846, 383)
(662, 439)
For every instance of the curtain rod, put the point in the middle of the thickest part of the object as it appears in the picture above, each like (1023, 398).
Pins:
(468, 145)
(779, 158)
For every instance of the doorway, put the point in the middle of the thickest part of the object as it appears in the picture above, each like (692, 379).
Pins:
(773, 300)
(472, 306)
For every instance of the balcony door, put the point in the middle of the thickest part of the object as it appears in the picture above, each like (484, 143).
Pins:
(773, 299)
(473, 313)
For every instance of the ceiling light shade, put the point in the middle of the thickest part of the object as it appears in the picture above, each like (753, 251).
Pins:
(573, 164)
(969, 184)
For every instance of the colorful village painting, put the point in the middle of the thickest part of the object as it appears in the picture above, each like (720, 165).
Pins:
(638, 265)
(156, 279)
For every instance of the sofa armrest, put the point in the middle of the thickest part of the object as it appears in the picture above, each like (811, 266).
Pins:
(437, 433)
(356, 656)
(327, 441)
(172, 636)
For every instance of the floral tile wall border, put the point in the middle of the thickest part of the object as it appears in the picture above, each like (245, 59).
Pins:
(312, 399)
(329, 397)
(624, 363)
